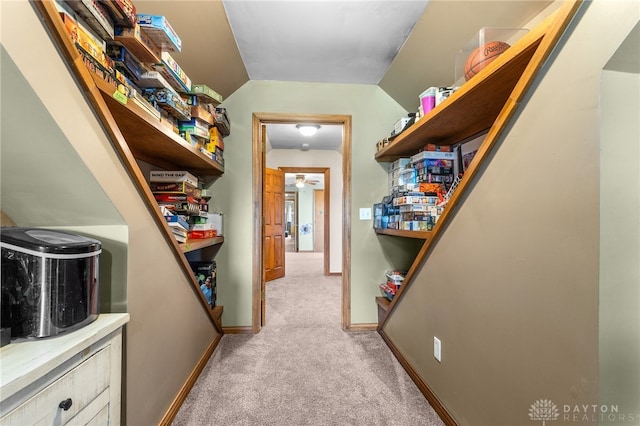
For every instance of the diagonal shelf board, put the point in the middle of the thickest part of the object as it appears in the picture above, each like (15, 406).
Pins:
(96, 96)
(423, 235)
(473, 108)
(192, 245)
(544, 37)
(151, 141)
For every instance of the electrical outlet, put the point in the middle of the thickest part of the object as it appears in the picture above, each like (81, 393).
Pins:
(365, 213)
(437, 349)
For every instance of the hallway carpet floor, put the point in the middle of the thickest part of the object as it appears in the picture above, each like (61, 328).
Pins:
(302, 368)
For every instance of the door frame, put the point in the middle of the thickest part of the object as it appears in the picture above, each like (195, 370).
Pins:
(258, 153)
(327, 215)
(295, 215)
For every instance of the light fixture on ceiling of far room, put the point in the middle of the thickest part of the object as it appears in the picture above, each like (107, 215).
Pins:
(308, 129)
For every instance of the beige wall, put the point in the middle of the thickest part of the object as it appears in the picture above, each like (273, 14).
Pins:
(620, 241)
(373, 113)
(70, 169)
(511, 288)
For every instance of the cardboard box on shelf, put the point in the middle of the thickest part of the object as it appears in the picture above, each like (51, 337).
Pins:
(193, 131)
(222, 121)
(173, 176)
(123, 12)
(153, 79)
(169, 101)
(175, 188)
(89, 43)
(95, 15)
(215, 219)
(159, 29)
(139, 44)
(197, 235)
(172, 72)
(215, 140)
(202, 114)
(205, 273)
(204, 91)
(125, 61)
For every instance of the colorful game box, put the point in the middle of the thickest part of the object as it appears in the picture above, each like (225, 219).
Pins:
(123, 12)
(205, 273)
(172, 72)
(204, 91)
(139, 44)
(158, 28)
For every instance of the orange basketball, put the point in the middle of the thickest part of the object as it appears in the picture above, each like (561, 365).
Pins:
(483, 56)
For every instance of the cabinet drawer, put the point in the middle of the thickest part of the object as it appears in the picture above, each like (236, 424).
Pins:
(82, 385)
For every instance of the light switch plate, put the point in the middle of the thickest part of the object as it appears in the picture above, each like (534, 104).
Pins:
(437, 349)
(365, 213)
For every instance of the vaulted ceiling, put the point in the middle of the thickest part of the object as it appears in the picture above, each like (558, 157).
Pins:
(402, 46)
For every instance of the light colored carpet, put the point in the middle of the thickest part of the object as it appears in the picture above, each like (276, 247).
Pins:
(302, 369)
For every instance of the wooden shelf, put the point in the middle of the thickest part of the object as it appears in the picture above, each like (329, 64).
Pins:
(216, 313)
(383, 302)
(485, 103)
(423, 235)
(472, 109)
(384, 305)
(136, 135)
(192, 245)
(155, 143)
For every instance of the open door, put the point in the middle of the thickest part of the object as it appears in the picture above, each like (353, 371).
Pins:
(274, 225)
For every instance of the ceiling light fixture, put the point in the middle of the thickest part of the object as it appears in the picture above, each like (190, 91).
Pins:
(299, 184)
(308, 129)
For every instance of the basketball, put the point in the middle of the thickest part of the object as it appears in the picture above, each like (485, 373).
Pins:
(483, 56)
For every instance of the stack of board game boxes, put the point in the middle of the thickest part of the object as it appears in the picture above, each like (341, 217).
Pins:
(185, 205)
(417, 189)
(392, 283)
(133, 53)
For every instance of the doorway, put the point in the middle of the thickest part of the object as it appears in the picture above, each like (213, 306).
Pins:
(313, 226)
(291, 221)
(260, 120)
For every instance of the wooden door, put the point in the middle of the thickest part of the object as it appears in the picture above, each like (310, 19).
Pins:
(274, 225)
(318, 220)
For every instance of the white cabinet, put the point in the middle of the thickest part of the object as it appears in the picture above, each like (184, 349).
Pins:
(70, 379)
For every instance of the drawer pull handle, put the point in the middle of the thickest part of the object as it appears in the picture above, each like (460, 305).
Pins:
(66, 404)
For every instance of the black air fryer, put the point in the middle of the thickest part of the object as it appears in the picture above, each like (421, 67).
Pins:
(50, 281)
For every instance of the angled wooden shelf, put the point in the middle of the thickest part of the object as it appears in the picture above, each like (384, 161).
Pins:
(384, 305)
(216, 313)
(153, 142)
(192, 245)
(484, 104)
(472, 109)
(423, 235)
(137, 135)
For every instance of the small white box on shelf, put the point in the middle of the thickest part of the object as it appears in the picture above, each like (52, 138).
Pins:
(173, 176)
(443, 155)
(215, 219)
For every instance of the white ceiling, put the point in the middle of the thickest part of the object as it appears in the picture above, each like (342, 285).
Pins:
(286, 136)
(627, 57)
(321, 41)
(225, 43)
(403, 46)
